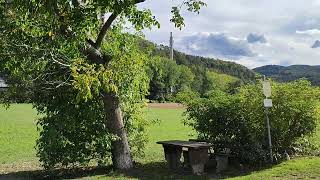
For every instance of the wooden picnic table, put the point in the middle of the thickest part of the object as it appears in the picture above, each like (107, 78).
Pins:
(196, 155)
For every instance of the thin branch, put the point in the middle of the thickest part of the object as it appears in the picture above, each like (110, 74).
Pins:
(58, 62)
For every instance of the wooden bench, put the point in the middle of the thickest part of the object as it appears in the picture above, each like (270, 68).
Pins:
(197, 154)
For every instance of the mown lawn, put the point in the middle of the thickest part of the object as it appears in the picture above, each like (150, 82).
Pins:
(18, 134)
(301, 168)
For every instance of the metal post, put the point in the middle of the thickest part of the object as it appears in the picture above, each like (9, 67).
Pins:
(269, 134)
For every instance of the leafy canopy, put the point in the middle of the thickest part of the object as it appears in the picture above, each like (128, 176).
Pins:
(54, 50)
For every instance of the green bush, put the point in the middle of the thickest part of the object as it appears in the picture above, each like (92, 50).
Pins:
(72, 134)
(238, 121)
(185, 96)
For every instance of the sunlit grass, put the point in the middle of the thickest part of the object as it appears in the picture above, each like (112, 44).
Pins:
(301, 168)
(18, 135)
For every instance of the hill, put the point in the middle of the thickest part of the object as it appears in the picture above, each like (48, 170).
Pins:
(216, 65)
(291, 73)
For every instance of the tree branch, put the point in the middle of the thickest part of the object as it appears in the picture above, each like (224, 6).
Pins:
(58, 62)
(139, 1)
(104, 30)
(108, 24)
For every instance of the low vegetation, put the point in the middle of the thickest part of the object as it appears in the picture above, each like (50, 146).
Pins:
(236, 121)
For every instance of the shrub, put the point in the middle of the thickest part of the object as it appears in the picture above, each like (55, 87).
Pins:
(238, 121)
(185, 96)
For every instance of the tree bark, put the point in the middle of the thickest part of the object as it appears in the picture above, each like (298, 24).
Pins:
(120, 149)
(121, 156)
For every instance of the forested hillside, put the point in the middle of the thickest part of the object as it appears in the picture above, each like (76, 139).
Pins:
(189, 75)
(217, 65)
(291, 73)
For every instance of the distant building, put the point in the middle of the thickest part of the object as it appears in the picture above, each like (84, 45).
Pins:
(3, 85)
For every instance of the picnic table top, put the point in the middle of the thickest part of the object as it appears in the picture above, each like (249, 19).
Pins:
(187, 144)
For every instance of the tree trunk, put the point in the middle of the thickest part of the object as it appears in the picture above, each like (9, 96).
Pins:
(120, 149)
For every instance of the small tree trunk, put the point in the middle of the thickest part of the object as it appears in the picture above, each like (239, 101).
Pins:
(120, 149)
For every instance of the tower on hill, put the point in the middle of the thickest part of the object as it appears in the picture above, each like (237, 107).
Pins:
(171, 46)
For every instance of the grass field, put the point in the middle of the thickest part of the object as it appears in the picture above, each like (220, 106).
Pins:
(17, 134)
(17, 155)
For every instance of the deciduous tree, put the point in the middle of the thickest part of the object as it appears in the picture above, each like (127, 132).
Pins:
(56, 49)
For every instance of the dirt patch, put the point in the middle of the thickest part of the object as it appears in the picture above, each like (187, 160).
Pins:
(166, 105)
(20, 166)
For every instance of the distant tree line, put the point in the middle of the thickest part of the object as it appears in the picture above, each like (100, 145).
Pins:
(217, 65)
(187, 73)
(291, 73)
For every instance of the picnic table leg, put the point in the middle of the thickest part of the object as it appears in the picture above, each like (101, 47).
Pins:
(198, 158)
(173, 155)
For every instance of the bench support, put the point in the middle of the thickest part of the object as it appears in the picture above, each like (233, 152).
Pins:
(173, 155)
(197, 159)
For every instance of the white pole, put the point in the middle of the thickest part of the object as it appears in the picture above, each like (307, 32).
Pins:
(269, 134)
(267, 93)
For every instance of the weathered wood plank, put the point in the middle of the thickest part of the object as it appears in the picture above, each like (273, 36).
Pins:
(187, 144)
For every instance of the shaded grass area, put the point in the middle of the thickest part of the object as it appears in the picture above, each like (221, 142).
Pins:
(302, 168)
(152, 170)
(18, 135)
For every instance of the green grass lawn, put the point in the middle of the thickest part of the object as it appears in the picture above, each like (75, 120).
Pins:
(170, 127)
(301, 168)
(18, 134)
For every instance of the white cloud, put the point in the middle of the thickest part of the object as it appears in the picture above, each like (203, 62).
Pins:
(216, 44)
(309, 32)
(291, 27)
(316, 44)
(255, 38)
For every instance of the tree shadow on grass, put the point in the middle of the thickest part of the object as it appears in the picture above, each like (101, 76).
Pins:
(152, 170)
(157, 171)
(58, 173)
(160, 171)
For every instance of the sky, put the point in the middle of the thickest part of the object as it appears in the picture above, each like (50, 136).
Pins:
(249, 32)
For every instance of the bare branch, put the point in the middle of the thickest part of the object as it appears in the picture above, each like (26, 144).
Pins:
(65, 82)
(58, 62)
